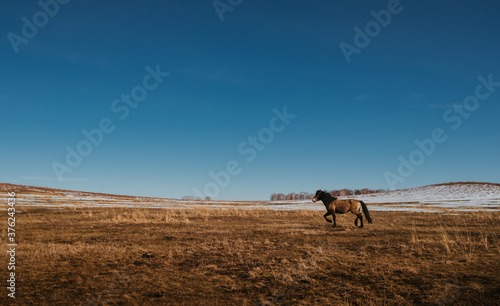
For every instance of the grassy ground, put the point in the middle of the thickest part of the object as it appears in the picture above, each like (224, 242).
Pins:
(252, 257)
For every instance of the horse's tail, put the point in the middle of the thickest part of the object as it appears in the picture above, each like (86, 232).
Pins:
(365, 210)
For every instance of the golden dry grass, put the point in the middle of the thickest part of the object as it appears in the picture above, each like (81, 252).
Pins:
(197, 256)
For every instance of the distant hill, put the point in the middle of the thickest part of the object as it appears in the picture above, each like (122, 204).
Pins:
(464, 183)
(25, 189)
(439, 192)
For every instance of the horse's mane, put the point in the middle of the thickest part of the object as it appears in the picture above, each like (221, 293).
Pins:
(328, 195)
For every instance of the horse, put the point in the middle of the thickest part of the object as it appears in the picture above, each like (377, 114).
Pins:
(334, 205)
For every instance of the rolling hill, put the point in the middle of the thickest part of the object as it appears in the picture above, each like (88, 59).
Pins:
(459, 191)
(453, 195)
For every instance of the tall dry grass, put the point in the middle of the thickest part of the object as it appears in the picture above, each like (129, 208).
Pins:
(234, 256)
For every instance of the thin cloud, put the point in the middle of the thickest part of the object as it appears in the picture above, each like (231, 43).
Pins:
(363, 97)
(48, 178)
(441, 106)
(223, 76)
(422, 100)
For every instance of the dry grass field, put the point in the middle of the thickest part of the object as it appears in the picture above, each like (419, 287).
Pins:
(197, 256)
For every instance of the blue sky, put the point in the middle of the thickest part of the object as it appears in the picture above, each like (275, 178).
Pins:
(353, 121)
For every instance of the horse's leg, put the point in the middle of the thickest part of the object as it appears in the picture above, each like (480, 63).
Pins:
(334, 220)
(328, 212)
(357, 217)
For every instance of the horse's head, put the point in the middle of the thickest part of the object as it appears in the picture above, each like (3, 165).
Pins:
(317, 196)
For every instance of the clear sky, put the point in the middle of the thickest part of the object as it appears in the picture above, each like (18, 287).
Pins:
(331, 94)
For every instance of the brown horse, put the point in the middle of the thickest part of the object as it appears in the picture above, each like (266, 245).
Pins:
(334, 205)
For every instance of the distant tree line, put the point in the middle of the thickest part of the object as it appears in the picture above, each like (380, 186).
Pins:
(336, 193)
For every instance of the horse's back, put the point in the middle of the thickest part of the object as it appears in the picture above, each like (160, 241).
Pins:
(342, 206)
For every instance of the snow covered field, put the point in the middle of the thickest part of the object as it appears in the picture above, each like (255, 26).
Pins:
(455, 196)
